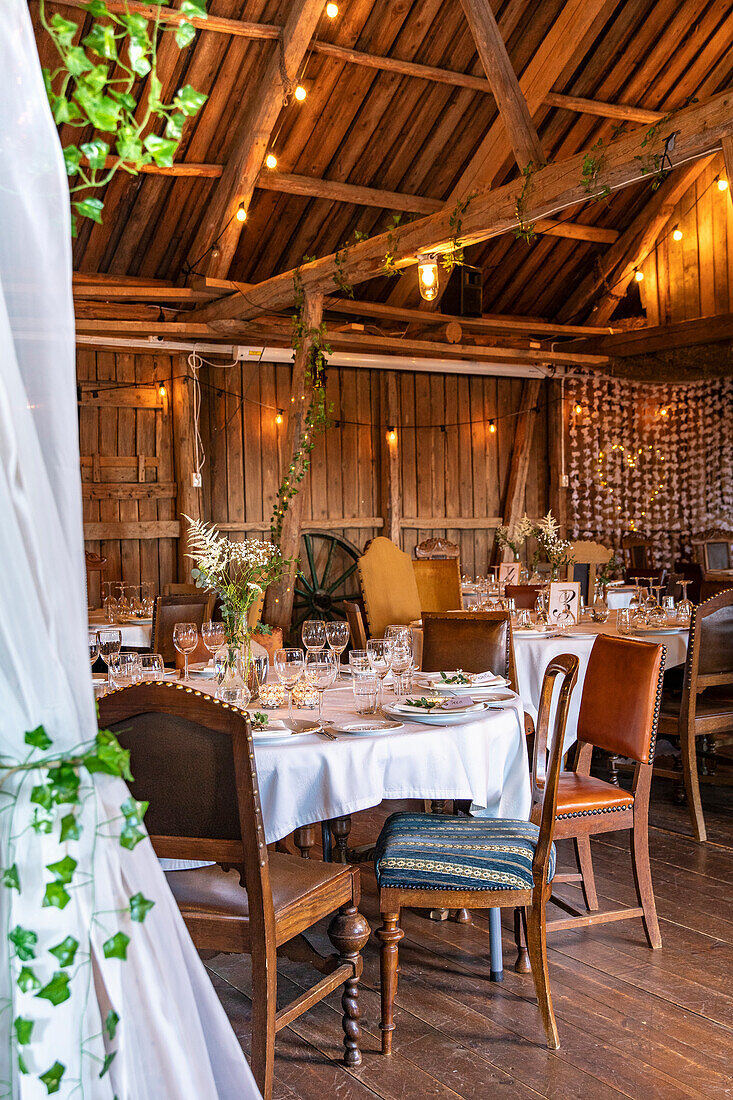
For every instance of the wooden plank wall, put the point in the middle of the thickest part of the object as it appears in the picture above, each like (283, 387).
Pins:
(693, 277)
(126, 444)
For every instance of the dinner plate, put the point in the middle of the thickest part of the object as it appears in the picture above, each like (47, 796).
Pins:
(279, 729)
(465, 708)
(367, 727)
(434, 679)
(519, 633)
(643, 630)
(443, 717)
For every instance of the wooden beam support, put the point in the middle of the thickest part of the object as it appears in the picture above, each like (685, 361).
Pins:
(523, 433)
(188, 497)
(728, 159)
(653, 338)
(392, 480)
(605, 110)
(556, 451)
(291, 184)
(699, 130)
(251, 138)
(279, 599)
(130, 529)
(504, 84)
(128, 490)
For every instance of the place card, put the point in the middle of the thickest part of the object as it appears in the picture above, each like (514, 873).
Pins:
(564, 596)
(509, 572)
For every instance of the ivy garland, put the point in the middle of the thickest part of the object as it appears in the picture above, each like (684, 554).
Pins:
(61, 789)
(389, 266)
(93, 87)
(524, 231)
(454, 256)
(339, 276)
(593, 164)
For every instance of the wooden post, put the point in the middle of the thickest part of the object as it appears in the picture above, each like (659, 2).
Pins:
(523, 433)
(556, 449)
(279, 603)
(728, 160)
(188, 497)
(392, 491)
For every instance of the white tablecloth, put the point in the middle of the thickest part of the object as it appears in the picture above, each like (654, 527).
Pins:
(620, 596)
(134, 635)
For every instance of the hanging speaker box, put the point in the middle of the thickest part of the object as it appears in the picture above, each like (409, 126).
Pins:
(464, 292)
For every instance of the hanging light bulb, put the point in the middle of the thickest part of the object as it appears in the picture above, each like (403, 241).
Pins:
(161, 390)
(722, 184)
(279, 417)
(241, 214)
(427, 277)
(676, 233)
(639, 276)
(300, 93)
(332, 10)
(663, 411)
(578, 409)
(492, 427)
(271, 160)
(391, 436)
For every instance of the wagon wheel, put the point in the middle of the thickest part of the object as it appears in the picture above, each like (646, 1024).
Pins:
(326, 578)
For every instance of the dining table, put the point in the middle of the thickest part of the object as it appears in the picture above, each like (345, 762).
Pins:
(136, 633)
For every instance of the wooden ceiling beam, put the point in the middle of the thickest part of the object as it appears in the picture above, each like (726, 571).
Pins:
(504, 84)
(236, 27)
(605, 110)
(654, 338)
(699, 130)
(249, 145)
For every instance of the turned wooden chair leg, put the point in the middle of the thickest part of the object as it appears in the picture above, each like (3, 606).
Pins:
(537, 943)
(692, 784)
(585, 866)
(389, 936)
(341, 827)
(643, 881)
(349, 932)
(264, 998)
(522, 964)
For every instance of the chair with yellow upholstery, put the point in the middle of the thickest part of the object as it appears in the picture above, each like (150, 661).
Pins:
(388, 586)
(439, 584)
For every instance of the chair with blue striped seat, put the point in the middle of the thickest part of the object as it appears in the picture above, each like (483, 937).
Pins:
(439, 861)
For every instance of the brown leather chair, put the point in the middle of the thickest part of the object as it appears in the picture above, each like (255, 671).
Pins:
(168, 611)
(193, 761)
(524, 595)
(704, 707)
(355, 619)
(472, 640)
(619, 712)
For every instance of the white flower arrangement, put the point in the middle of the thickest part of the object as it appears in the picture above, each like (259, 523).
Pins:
(556, 550)
(515, 537)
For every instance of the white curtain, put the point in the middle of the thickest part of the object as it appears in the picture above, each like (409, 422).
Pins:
(173, 1039)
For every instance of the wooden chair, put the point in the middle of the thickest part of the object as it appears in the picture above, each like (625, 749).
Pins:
(427, 860)
(524, 595)
(355, 619)
(472, 640)
(439, 584)
(588, 556)
(169, 610)
(619, 712)
(193, 761)
(637, 554)
(704, 708)
(94, 563)
(436, 548)
(388, 586)
(180, 590)
(253, 616)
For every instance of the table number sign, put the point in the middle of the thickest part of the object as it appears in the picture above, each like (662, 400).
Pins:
(509, 572)
(564, 596)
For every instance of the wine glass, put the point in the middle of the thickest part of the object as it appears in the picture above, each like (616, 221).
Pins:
(337, 636)
(110, 643)
(313, 633)
(401, 663)
(151, 666)
(379, 651)
(213, 636)
(289, 665)
(93, 646)
(185, 639)
(564, 620)
(320, 670)
(685, 606)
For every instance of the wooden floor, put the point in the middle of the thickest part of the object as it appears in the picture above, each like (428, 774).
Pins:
(633, 1022)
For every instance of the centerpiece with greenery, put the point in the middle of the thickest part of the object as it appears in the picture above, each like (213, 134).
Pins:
(516, 536)
(556, 550)
(239, 572)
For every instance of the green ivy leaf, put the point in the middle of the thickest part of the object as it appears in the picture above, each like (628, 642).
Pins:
(52, 1077)
(72, 159)
(116, 946)
(189, 100)
(134, 811)
(95, 80)
(101, 40)
(128, 101)
(64, 780)
(195, 8)
(77, 61)
(162, 150)
(97, 8)
(96, 153)
(27, 980)
(108, 756)
(57, 990)
(38, 738)
(24, 940)
(185, 33)
(174, 126)
(70, 828)
(23, 1030)
(154, 89)
(110, 1024)
(63, 869)
(10, 878)
(101, 110)
(137, 25)
(65, 951)
(64, 110)
(140, 906)
(64, 29)
(130, 835)
(108, 1060)
(90, 208)
(56, 895)
(137, 50)
(41, 822)
(42, 796)
(22, 1064)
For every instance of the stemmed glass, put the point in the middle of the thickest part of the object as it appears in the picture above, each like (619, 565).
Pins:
(93, 647)
(110, 643)
(289, 664)
(379, 651)
(337, 636)
(313, 633)
(320, 672)
(685, 606)
(185, 639)
(403, 654)
(213, 636)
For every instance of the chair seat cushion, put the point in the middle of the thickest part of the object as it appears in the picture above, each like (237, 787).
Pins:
(438, 852)
(578, 795)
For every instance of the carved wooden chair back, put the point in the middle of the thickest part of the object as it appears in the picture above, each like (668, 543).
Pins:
(439, 584)
(434, 548)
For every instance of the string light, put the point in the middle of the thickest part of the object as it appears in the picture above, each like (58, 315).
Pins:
(722, 184)
(300, 93)
(492, 427)
(663, 411)
(578, 409)
(241, 214)
(162, 390)
(427, 278)
(332, 10)
(391, 436)
(279, 417)
(676, 233)
(271, 160)
(639, 276)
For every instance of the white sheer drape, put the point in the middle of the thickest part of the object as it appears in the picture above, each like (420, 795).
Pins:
(173, 1040)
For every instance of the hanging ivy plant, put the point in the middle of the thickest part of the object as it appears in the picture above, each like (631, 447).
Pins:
(339, 276)
(454, 256)
(524, 231)
(93, 87)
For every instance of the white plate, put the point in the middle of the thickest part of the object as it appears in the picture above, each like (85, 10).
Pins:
(644, 630)
(443, 717)
(466, 708)
(518, 633)
(279, 729)
(367, 727)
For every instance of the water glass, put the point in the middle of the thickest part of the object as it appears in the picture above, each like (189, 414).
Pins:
(313, 633)
(213, 636)
(623, 620)
(124, 669)
(185, 639)
(669, 608)
(289, 664)
(359, 661)
(151, 666)
(148, 594)
(364, 687)
(564, 621)
(110, 643)
(524, 619)
(93, 646)
(237, 695)
(337, 636)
